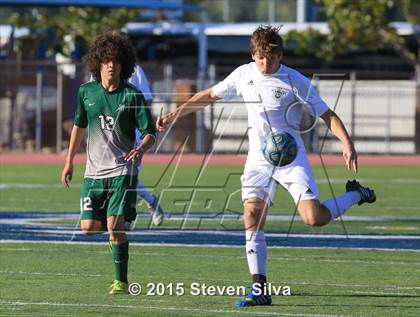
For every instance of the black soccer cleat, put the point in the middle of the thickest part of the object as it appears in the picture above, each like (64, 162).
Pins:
(367, 195)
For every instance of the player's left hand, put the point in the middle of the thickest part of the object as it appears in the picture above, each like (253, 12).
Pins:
(67, 174)
(164, 120)
(135, 155)
(350, 156)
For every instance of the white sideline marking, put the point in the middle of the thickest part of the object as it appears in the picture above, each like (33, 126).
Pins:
(33, 185)
(393, 227)
(187, 245)
(371, 180)
(238, 234)
(47, 273)
(277, 258)
(319, 181)
(142, 307)
(393, 287)
(382, 293)
(273, 258)
(41, 221)
(346, 261)
(17, 249)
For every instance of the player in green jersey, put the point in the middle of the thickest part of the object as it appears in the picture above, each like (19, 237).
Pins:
(111, 110)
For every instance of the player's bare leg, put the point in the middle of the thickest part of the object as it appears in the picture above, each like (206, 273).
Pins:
(91, 226)
(313, 213)
(116, 229)
(119, 241)
(255, 213)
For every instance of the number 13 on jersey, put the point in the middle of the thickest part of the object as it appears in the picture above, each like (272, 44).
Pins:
(107, 122)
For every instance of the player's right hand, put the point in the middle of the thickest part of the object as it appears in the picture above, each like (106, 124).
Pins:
(67, 174)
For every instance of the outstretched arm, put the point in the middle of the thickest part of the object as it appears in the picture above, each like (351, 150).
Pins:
(336, 126)
(194, 104)
(76, 137)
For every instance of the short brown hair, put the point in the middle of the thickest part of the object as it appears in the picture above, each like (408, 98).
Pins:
(111, 45)
(266, 39)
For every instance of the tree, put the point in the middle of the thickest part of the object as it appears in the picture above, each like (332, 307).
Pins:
(71, 26)
(363, 25)
(353, 25)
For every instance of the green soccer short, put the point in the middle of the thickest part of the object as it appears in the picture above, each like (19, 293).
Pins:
(104, 197)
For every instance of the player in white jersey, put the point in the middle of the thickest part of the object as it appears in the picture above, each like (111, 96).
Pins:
(139, 80)
(274, 95)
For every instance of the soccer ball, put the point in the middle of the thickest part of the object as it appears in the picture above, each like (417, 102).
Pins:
(280, 148)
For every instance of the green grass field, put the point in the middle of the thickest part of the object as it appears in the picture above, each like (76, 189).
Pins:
(72, 279)
(38, 188)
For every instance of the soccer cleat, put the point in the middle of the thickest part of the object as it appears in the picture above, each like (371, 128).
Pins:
(367, 195)
(254, 300)
(118, 287)
(156, 212)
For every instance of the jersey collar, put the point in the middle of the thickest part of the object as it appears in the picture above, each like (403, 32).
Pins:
(254, 66)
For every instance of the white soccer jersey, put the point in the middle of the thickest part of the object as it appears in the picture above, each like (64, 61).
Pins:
(139, 80)
(271, 101)
(274, 102)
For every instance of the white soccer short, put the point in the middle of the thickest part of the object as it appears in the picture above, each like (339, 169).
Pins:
(260, 179)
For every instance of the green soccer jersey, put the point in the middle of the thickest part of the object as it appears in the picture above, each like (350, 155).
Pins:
(111, 119)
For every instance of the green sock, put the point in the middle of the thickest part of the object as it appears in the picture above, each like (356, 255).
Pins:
(120, 259)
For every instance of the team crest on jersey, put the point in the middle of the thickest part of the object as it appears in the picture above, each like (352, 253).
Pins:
(279, 92)
(121, 107)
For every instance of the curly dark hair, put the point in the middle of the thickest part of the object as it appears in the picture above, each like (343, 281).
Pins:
(111, 45)
(266, 39)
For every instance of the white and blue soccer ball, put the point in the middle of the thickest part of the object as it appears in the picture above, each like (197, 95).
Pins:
(280, 148)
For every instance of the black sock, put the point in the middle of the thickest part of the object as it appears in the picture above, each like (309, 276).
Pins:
(261, 279)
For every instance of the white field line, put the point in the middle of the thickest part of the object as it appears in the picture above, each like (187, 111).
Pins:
(382, 293)
(280, 258)
(371, 180)
(389, 226)
(156, 278)
(47, 273)
(281, 217)
(11, 185)
(197, 216)
(272, 258)
(238, 234)
(392, 287)
(169, 309)
(187, 245)
(346, 261)
(33, 186)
